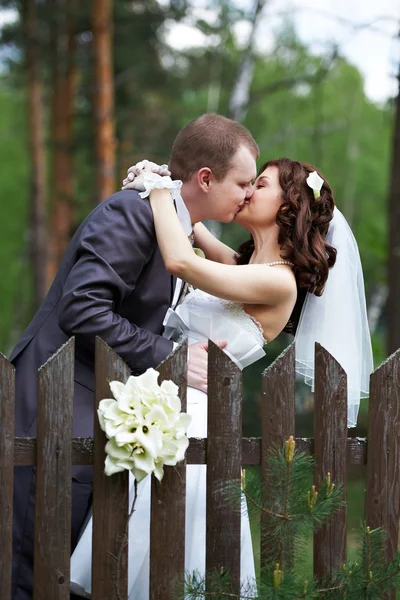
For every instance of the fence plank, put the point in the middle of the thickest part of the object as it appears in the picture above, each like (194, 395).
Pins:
(7, 394)
(277, 425)
(110, 494)
(330, 437)
(382, 497)
(167, 529)
(53, 476)
(224, 449)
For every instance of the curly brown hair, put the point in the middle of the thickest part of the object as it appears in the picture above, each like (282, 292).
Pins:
(303, 224)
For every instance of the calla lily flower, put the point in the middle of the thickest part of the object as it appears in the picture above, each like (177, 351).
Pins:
(144, 426)
(315, 182)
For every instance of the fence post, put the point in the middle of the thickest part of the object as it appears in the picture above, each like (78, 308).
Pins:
(224, 459)
(53, 476)
(167, 523)
(382, 496)
(110, 494)
(330, 446)
(7, 407)
(277, 425)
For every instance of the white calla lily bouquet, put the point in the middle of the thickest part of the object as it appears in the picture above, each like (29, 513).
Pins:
(144, 425)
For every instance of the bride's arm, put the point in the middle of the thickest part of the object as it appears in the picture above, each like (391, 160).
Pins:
(249, 284)
(212, 247)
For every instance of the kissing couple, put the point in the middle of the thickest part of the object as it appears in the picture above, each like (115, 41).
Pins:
(124, 276)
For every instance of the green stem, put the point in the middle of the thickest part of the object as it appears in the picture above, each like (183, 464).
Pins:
(285, 510)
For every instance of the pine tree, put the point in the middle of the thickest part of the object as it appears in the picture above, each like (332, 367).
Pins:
(294, 510)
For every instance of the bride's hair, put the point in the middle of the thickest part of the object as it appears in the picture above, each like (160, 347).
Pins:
(303, 223)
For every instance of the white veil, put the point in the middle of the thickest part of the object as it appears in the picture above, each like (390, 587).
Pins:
(338, 319)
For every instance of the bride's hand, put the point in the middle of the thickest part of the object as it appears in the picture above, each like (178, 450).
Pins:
(133, 180)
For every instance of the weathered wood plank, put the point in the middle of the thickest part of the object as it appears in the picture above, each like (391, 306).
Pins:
(224, 433)
(167, 523)
(330, 436)
(110, 494)
(277, 425)
(53, 476)
(82, 451)
(7, 395)
(382, 497)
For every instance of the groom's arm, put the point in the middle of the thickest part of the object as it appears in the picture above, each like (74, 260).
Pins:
(115, 246)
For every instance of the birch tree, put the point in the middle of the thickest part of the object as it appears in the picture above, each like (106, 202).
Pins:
(394, 237)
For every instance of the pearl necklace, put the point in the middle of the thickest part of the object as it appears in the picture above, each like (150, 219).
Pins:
(279, 262)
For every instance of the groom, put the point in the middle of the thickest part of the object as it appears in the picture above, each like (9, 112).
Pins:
(112, 283)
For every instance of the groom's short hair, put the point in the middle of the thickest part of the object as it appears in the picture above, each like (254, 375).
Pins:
(211, 141)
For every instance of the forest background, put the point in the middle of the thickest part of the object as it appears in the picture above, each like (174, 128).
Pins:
(89, 88)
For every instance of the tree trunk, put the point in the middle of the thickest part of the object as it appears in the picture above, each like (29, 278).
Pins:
(394, 237)
(351, 158)
(64, 87)
(376, 305)
(37, 237)
(244, 78)
(102, 25)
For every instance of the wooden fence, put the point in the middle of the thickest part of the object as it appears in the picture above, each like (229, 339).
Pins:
(54, 452)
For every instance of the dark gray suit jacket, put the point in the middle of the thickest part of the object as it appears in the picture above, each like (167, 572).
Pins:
(111, 283)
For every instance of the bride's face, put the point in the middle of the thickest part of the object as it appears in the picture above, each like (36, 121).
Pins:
(261, 208)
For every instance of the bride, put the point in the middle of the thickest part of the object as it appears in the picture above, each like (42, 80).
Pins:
(300, 271)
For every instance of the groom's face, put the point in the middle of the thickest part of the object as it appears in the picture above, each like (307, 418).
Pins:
(229, 194)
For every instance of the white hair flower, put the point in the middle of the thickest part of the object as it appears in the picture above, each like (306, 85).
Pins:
(315, 182)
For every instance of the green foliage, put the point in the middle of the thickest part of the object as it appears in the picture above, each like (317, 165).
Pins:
(14, 184)
(292, 511)
(311, 107)
(370, 575)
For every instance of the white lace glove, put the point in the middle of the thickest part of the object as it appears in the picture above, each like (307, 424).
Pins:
(146, 176)
(140, 168)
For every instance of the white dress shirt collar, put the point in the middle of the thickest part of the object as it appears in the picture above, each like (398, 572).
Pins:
(183, 213)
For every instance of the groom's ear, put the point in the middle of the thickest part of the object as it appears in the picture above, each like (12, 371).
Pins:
(204, 177)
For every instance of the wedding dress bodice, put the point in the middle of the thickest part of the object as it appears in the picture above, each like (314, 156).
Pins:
(201, 317)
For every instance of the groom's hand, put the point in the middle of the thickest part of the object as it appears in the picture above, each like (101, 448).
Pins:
(197, 364)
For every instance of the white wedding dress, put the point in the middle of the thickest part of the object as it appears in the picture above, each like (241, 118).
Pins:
(200, 317)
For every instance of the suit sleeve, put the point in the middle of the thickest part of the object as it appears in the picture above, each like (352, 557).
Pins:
(115, 246)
